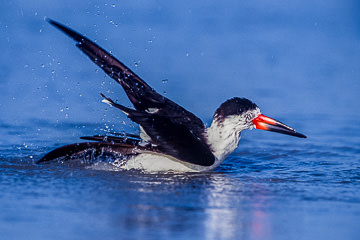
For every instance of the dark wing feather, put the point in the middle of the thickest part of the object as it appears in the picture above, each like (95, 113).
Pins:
(128, 139)
(98, 148)
(170, 137)
(139, 92)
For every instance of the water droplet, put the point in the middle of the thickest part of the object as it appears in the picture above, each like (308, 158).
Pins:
(165, 81)
(42, 65)
(52, 71)
(40, 29)
(113, 5)
(36, 13)
(187, 54)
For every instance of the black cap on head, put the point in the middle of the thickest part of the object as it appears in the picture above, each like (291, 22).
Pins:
(235, 106)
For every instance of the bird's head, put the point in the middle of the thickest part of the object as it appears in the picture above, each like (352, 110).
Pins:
(241, 114)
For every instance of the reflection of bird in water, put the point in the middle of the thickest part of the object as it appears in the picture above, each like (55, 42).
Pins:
(171, 137)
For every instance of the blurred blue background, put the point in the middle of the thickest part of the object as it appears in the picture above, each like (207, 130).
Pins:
(297, 60)
(292, 58)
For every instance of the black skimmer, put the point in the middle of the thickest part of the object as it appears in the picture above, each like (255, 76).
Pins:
(171, 138)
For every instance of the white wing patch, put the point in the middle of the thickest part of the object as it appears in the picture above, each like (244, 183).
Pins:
(152, 110)
(143, 135)
(106, 101)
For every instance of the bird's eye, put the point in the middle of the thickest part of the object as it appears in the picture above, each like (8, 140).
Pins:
(248, 117)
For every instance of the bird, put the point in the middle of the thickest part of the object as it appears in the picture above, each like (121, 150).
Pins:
(171, 138)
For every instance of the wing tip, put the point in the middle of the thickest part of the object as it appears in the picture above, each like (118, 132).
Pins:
(49, 20)
(75, 35)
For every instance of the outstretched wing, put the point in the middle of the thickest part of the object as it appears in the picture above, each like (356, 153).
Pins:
(169, 137)
(174, 130)
(143, 97)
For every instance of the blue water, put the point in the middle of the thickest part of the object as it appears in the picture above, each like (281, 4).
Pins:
(298, 61)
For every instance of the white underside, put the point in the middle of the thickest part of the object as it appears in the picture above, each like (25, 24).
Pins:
(155, 162)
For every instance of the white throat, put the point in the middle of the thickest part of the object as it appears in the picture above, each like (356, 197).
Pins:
(223, 135)
(223, 139)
